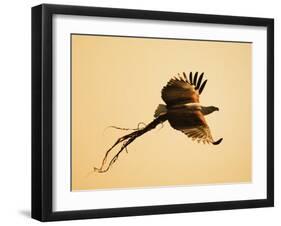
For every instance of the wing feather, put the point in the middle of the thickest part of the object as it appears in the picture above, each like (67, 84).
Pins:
(191, 123)
(181, 91)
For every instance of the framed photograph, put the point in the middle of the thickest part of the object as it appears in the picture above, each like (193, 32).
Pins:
(140, 112)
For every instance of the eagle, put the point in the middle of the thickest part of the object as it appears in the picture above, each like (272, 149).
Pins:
(182, 110)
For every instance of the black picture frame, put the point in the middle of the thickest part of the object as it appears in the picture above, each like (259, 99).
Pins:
(42, 106)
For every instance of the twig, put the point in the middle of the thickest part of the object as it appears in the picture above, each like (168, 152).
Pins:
(126, 140)
(121, 128)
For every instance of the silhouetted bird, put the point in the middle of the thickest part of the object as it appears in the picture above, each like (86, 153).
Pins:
(183, 109)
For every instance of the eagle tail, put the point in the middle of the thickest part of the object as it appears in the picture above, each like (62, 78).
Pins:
(161, 110)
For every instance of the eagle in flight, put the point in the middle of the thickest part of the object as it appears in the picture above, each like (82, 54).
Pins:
(182, 110)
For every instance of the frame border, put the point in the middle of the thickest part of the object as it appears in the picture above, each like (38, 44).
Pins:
(41, 203)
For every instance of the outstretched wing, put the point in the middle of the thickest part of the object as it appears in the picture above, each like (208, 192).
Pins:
(181, 90)
(191, 123)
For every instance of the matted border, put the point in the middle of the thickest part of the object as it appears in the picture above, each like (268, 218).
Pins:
(42, 111)
(64, 199)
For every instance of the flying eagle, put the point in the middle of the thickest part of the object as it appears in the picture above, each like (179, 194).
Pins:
(182, 110)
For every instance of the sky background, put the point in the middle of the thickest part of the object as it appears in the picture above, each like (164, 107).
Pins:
(118, 81)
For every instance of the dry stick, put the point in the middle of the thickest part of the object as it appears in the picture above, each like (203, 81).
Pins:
(126, 140)
(121, 128)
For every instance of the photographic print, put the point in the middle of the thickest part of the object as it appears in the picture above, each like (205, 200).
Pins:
(139, 112)
(157, 112)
